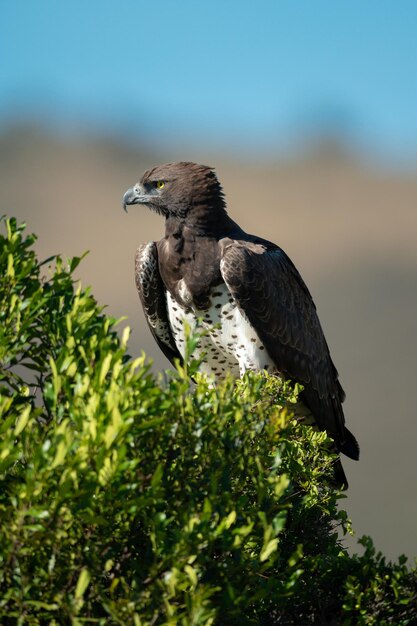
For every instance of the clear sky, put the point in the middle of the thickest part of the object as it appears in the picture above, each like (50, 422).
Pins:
(242, 73)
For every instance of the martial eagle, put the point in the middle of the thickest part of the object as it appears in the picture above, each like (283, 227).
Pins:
(251, 299)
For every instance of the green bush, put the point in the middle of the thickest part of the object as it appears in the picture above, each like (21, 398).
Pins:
(130, 499)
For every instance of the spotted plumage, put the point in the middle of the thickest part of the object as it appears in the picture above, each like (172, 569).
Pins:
(242, 291)
(228, 342)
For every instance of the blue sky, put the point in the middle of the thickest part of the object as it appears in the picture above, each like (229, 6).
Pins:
(241, 74)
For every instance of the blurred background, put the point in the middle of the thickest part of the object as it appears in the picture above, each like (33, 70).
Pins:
(307, 110)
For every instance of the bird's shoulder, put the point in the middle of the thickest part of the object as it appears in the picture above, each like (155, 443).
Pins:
(244, 257)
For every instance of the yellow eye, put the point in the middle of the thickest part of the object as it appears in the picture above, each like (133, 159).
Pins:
(160, 184)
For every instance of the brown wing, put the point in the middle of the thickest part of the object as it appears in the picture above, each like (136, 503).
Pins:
(152, 295)
(271, 293)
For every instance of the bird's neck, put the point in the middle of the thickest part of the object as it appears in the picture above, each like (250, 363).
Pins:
(202, 223)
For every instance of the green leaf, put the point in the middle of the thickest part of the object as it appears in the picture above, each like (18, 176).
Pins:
(82, 583)
(268, 549)
(22, 420)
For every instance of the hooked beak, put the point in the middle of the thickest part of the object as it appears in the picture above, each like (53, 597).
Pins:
(135, 195)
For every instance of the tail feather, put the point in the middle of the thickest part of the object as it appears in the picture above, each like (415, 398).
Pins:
(350, 446)
(340, 479)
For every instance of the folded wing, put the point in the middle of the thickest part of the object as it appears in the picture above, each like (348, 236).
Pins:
(271, 293)
(152, 294)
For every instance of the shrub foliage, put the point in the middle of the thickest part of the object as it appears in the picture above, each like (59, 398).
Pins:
(130, 499)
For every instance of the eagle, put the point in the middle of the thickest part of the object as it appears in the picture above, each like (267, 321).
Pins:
(242, 290)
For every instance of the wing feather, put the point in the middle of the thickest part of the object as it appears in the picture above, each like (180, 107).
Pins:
(152, 294)
(271, 293)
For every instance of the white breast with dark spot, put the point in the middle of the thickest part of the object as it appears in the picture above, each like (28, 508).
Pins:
(229, 343)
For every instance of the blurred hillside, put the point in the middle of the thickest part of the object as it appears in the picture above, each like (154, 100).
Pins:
(351, 230)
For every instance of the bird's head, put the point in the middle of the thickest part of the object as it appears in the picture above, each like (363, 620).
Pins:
(178, 190)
